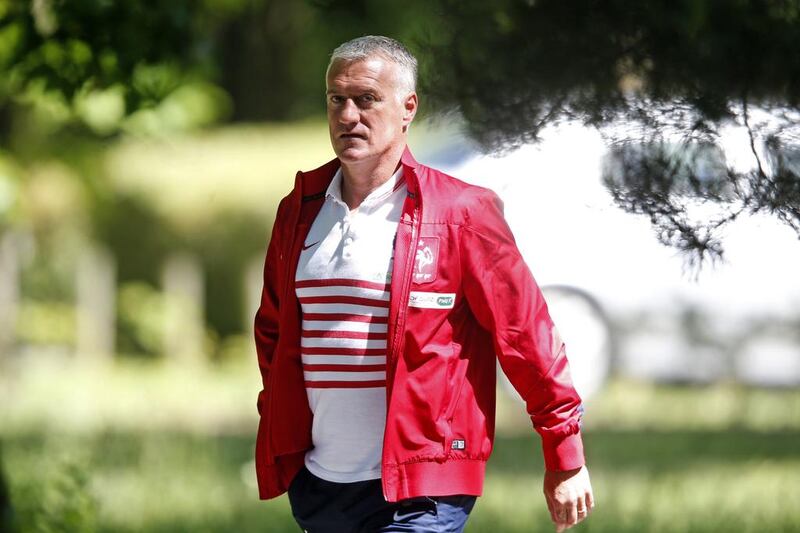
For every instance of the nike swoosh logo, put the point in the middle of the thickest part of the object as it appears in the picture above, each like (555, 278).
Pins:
(407, 515)
(310, 245)
(411, 511)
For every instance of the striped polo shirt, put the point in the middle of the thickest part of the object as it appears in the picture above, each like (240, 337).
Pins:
(342, 283)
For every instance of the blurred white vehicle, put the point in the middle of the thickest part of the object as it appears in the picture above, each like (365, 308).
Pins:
(624, 302)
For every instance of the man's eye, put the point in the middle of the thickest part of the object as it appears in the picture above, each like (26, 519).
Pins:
(367, 98)
(336, 99)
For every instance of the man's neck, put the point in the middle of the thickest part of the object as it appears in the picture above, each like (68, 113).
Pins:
(360, 179)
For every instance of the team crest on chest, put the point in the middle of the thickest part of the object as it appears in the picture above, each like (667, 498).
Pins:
(426, 259)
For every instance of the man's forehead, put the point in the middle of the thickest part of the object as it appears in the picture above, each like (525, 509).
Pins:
(374, 69)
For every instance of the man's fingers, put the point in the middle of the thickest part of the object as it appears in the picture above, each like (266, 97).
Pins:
(572, 513)
(565, 515)
(581, 508)
(558, 514)
(563, 521)
(589, 500)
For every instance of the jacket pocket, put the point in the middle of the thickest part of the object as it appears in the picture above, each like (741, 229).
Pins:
(458, 378)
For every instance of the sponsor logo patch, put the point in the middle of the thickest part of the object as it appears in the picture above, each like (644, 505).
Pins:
(426, 259)
(458, 444)
(432, 300)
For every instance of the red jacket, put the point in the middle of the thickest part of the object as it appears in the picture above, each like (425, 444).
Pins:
(460, 293)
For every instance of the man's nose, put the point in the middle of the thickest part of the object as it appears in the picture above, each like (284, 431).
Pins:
(349, 114)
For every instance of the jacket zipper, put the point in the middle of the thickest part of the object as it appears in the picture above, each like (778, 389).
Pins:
(397, 339)
(399, 327)
(401, 313)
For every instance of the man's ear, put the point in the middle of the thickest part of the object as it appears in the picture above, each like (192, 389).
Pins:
(410, 105)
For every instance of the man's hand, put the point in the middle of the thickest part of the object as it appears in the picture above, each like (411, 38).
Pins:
(569, 496)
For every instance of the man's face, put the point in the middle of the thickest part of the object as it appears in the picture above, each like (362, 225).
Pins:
(368, 108)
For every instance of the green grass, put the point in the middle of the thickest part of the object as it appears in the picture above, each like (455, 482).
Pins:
(733, 465)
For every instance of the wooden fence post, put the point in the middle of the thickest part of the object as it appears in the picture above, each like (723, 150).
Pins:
(96, 284)
(184, 334)
(9, 291)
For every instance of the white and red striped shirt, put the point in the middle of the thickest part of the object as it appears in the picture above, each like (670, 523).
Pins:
(342, 283)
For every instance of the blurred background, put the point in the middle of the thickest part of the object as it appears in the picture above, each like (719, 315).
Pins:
(648, 156)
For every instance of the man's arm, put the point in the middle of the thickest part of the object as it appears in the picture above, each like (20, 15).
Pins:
(266, 319)
(506, 300)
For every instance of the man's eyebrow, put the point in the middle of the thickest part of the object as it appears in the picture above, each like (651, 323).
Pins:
(359, 90)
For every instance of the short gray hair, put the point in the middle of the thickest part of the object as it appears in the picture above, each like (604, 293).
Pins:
(361, 48)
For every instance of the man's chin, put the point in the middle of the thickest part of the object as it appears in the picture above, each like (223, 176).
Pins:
(353, 154)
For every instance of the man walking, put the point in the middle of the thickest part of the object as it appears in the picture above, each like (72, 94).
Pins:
(388, 289)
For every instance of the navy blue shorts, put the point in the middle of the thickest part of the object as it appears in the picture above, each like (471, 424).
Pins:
(321, 506)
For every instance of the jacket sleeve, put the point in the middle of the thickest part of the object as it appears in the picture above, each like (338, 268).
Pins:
(266, 320)
(506, 301)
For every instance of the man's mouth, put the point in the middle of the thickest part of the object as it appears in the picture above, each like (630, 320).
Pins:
(351, 136)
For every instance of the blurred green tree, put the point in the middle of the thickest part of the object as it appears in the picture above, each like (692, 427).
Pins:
(96, 62)
(64, 51)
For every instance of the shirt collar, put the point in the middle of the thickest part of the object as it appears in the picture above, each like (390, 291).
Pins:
(335, 188)
(381, 193)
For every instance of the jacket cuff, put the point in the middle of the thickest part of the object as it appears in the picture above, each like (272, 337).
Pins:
(563, 454)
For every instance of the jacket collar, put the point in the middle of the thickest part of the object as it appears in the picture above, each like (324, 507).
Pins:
(314, 183)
